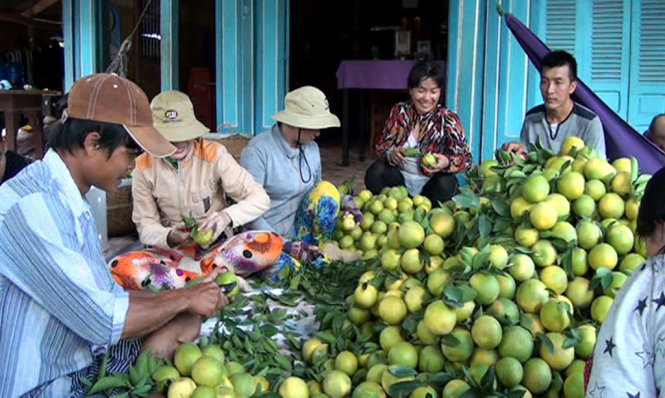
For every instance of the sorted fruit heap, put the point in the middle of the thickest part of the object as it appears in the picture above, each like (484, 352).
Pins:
(499, 292)
(503, 288)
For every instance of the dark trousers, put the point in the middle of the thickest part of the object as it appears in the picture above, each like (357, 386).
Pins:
(440, 188)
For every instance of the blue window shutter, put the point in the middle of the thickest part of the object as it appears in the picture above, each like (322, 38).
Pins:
(607, 40)
(561, 28)
(647, 63)
(610, 52)
(652, 46)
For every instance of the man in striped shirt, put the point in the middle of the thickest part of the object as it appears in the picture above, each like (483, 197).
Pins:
(60, 309)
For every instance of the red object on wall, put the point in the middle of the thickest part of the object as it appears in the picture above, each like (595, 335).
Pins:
(200, 90)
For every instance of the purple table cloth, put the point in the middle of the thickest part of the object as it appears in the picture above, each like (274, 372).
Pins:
(375, 74)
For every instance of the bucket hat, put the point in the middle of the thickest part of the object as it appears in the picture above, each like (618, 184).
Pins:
(307, 107)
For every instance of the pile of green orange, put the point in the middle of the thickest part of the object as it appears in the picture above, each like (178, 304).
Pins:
(499, 292)
(202, 372)
(502, 289)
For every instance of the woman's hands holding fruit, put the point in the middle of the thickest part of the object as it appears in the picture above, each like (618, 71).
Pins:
(433, 163)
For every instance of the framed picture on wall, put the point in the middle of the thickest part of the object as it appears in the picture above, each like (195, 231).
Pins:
(424, 49)
(402, 43)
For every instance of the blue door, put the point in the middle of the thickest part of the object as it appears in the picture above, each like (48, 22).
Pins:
(251, 51)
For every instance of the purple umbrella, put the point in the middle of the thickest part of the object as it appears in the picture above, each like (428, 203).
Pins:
(621, 139)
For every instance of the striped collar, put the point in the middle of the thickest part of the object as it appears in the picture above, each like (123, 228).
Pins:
(60, 173)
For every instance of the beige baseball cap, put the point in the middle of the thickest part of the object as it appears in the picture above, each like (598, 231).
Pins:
(307, 107)
(107, 97)
(173, 116)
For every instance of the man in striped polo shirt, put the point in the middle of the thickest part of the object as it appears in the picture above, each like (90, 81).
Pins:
(60, 308)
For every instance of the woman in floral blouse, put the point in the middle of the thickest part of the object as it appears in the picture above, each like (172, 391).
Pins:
(421, 125)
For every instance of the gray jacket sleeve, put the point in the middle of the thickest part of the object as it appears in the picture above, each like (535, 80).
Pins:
(595, 137)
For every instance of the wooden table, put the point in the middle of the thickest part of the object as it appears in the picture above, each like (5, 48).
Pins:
(28, 103)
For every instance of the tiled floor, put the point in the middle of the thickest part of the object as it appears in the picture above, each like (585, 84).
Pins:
(333, 171)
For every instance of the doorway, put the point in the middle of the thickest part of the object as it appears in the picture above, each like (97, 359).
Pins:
(324, 33)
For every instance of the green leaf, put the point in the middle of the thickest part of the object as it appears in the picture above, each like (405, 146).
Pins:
(326, 337)
(606, 280)
(404, 388)
(559, 244)
(190, 222)
(439, 379)
(526, 322)
(338, 321)
(268, 330)
(572, 342)
(468, 293)
(410, 324)
(104, 364)
(487, 382)
(467, 198)
(516, 174)
(452, 295)
(481, 259)
(133, 375)
(295, 282)
(501, 207)
(108, 383)
(402, 371)
(283, 362)
(548, 343)
(567, 264)
(450, 340)
(557, 382)
(484, 225)
(594, 283)
(268, 394)
(523, 250)
(142, 391)
(500, 225)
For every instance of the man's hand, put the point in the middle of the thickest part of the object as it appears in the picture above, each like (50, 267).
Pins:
(395, 156)
(206, 298)
(442, 162)
(217, 222)
(515, 147)
(178, 237)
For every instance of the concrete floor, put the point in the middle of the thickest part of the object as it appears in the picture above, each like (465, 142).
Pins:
(333, 171)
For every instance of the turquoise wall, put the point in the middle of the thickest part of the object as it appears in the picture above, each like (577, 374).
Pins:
(490, 83)
(252, 56)
(81, 24)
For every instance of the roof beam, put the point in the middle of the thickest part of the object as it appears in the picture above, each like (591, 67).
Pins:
(21, 20)
(38, 7)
